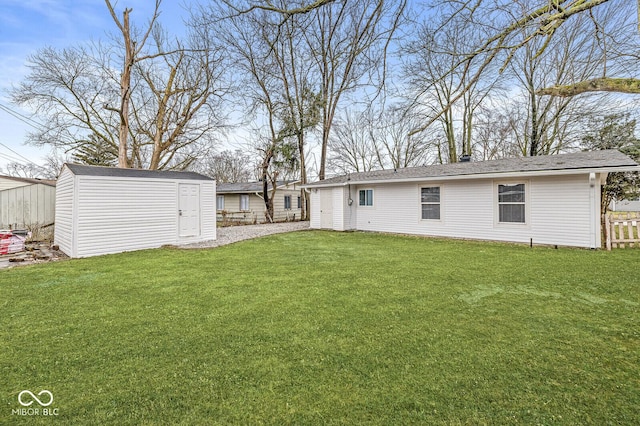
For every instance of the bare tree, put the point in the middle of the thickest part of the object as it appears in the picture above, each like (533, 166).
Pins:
(351, 144)
(494, 136)
(511, 30)
(240, 8)
(226, 166)
(278, 86)
(53, 165)
(24, 170)
(369, 140)
(180, 103)
(250, 39)
(349, 41)
(395, 147)
(69, 88)
(549, 124)
(302, 103)
(132, 54)
(435, 79)
(167, 104)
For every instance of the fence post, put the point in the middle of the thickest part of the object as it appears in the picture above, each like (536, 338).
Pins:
(607, 230)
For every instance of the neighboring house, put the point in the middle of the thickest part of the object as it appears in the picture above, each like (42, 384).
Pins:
(26, 203)
(625, 206)
(541, 200)
(101, 210)
(244, 202)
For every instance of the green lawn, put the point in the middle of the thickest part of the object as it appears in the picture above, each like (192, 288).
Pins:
(327, 328)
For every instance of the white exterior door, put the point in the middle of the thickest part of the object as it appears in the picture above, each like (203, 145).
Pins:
(189, 210)
(326, 208)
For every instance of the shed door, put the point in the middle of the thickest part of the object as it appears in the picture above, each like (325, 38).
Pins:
(326, 208)
(189, 210)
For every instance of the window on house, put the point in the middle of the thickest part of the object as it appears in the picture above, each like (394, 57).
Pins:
(220, 202)
(430, 199)
(299, 202)
(366, 197)
(244, 202)
(287, 202)
(511, 203)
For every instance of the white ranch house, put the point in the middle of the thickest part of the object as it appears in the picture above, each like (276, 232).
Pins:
(552, 200)
(102, 210)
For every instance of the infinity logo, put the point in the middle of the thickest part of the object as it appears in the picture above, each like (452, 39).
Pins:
(35, 398)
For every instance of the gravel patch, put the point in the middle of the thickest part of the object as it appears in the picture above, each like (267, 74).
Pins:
(233, 234)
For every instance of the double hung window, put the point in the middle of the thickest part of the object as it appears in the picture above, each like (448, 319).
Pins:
(430, 200)
(244, 202)
(511, 203)
(365, 197)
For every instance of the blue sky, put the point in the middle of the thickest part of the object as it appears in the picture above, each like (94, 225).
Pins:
(28, 25)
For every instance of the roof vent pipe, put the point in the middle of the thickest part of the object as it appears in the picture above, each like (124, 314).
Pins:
(464, 158)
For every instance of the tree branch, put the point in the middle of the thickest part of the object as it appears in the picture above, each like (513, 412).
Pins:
(605, 84)
(268, 7)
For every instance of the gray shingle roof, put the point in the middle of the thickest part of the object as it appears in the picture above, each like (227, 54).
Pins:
(83, 170)
(605, 159)
(245, 187)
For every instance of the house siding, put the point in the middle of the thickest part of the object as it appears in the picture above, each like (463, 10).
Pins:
(64, 223)
(256, 212)
(559, 210)
(625, 206)
(342, 215)
(282, 214)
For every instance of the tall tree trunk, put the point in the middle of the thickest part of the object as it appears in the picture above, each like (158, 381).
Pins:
(125, 91)
(534, 143)
(264, 172)
(303, 177)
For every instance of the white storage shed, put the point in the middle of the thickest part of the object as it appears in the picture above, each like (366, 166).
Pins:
(102, 210)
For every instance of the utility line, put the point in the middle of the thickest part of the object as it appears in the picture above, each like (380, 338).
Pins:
(21, 156)
(28, 121)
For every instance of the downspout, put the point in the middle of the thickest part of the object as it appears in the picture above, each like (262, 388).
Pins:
(350, 207)
(594, 209)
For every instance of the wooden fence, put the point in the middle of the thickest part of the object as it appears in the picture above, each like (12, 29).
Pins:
(622, 229)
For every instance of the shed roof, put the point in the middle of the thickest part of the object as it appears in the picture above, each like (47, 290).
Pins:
(247, 187)
(83, 170)
(31, 181)
(605, 160)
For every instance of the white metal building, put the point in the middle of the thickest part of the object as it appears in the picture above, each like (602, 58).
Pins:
(102, 210)
(545, 200)
(26, 203)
